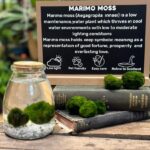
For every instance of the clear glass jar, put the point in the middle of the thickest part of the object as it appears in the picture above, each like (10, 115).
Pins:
(28, 105)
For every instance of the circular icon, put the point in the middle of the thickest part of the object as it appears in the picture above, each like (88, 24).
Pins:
(99, 61)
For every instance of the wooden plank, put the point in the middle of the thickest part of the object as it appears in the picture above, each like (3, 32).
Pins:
(88, 140)
(54, 142)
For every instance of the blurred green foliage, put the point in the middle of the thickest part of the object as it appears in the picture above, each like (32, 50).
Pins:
(7, 4)
(13, 23)
(33, 2)
(5, 74)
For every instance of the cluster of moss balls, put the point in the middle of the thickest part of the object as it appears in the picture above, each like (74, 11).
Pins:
(39, 113)
(130, 80)
(80, 105)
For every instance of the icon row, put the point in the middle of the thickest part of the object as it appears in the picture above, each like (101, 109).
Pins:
(98, 60)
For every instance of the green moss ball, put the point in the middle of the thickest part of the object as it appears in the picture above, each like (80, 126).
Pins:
(17, 117)
(74, 103)
(112, 83)
(101, 106)
(40, 112)
(133, 80)
(88, 109)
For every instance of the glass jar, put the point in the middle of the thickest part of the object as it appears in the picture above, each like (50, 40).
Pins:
(28, 106)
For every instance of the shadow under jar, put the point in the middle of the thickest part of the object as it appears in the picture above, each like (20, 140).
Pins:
(28, 105)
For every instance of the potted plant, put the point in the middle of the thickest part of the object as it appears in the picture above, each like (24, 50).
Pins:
(16, 24)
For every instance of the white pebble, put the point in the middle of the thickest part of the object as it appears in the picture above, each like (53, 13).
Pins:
(30, 130)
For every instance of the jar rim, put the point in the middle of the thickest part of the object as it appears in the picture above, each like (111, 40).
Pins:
(28, 64)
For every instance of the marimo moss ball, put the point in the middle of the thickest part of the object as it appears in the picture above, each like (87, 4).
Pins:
(88, 109)
(17, 117)
(101, 106)
(40, 112)
(133, 80)
(74, 103)
(112, 83)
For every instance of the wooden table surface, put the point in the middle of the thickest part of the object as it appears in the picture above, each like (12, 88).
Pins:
(131, 136)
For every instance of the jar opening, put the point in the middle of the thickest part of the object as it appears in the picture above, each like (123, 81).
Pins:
(27, 66)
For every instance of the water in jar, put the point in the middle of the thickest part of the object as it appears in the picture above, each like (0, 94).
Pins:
(21, 93)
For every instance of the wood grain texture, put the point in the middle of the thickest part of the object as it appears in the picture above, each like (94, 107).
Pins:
(55, 142)
(91, 140)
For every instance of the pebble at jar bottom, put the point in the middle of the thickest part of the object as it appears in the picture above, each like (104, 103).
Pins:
(30, 130)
